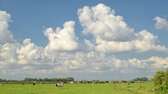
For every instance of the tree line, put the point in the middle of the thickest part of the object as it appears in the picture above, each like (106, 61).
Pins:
(39, 80)
(140, 79)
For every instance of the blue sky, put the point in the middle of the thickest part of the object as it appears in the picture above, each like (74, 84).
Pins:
(31, 19)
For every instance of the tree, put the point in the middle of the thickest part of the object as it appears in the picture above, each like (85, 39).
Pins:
(141, 79)
(161, 82)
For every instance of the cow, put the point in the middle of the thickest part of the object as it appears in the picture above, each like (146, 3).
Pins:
(34, 83)
(60, 84)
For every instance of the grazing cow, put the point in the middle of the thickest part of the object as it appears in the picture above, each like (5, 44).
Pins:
(34, 83)
(59, 84)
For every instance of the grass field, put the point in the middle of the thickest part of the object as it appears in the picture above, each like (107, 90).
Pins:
(135, 88)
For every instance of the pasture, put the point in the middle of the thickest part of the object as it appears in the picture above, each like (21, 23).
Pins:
(125, 88)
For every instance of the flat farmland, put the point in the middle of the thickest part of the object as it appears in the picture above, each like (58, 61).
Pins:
(125, 88)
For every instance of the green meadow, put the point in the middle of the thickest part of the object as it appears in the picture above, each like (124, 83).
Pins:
(125, 88)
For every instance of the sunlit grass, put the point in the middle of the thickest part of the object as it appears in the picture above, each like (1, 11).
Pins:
(135, 88)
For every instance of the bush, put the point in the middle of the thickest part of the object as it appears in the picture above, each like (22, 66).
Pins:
(161, 82)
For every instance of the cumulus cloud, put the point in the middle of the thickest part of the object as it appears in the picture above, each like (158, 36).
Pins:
(146, 41)
(143, 41)
(89, 44)
(111, 32)
(72, 64)
(161, 23)
(5, 34)
(62, 39)
(79, 62)
(27, 52)
(8, 54)
(104, 62)
(158, 62)
(102, 22)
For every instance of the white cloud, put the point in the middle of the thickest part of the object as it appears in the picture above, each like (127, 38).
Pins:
(112, 34)
(32, 60)
(112, 46)
(28, 52)
(102, 22)
(146, 41)
(143, 41)
(62, 39)
(72, 64)
(5, 34)
(158, 62)
(8, 53)
(161, 23)
(89, 44)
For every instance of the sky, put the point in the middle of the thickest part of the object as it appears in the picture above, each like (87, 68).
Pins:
(84, 39)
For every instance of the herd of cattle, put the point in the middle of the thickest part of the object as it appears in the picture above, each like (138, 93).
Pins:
(61, 84)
